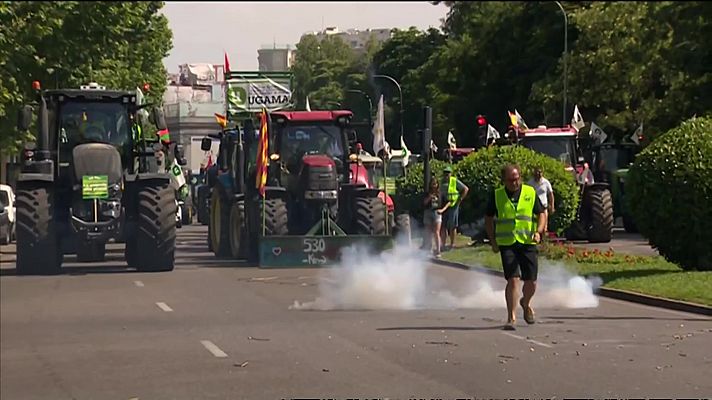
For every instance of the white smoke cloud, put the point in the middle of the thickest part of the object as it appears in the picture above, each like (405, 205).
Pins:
(403, 279)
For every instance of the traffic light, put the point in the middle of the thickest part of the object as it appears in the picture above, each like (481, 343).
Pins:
(482, 130)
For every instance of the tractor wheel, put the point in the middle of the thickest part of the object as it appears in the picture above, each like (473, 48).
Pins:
(629, 224)
(402, 229)
(219, 224)
(601, 226)
(276, 220)
(239, 240)
(203, 205)
(576, 231)
(370, 216)
(38, 247)
(187, 214)
(91, 252)
(155, 238)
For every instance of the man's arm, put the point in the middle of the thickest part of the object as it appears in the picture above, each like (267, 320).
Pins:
(489, 226)
(550, 195)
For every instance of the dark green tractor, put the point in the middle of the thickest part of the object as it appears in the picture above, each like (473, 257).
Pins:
(610, 163)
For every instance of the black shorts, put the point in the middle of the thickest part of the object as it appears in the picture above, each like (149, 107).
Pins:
(520, 260)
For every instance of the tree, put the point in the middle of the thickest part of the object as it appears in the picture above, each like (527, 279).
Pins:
(638, 62)
(121, 45)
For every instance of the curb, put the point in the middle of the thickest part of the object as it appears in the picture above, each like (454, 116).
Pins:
(617, 294)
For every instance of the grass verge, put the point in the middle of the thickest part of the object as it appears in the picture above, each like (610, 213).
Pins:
(641, 274)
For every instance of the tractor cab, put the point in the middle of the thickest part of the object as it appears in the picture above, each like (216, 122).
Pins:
(608, 159)
(557, 143)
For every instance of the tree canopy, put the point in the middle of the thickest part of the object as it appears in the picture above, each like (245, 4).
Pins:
(120, 45)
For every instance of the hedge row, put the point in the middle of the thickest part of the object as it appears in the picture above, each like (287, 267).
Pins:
(669, 191)
(480, 171)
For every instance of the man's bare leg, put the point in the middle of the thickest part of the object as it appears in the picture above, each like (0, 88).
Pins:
(527, 293)
(510, 294)
(528, 290)
(452, 238)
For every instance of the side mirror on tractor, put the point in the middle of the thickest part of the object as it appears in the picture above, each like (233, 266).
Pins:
(206, 144)
(159, 119)
(24, 118)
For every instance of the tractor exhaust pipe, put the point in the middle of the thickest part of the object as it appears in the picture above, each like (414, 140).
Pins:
(43, 125)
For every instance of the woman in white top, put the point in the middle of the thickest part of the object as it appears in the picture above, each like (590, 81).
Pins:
(544, 191)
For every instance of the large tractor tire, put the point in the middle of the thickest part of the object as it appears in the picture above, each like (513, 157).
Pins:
(239, 239)
(600, 228)
(91, 252)
(154, 243)
(370, 216)
(186, 214)
(38, 247)
(576, 231)
(202, 205)
(276, 219)
(219, 224)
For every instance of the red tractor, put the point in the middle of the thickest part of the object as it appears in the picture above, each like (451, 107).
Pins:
(311, 208)
(594, 219)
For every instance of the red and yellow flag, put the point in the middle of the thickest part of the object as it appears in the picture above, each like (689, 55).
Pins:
(221, 120)
(262, 154)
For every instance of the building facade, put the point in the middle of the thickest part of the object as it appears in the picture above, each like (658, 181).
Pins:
(273, 58)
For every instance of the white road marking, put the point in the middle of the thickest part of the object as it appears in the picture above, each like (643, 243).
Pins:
(212, 348)
(528, 340)
(164, 307)
(138, 283)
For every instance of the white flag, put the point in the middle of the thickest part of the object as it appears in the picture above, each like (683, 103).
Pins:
(492, 133)
(520, 120)
(308, 107)
(597, 133)
(433, 147)
(577, 120)
(406, 152)
(379, 134)
(451, 140)
(637, 134)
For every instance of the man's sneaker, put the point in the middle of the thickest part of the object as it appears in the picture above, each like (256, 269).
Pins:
(528, 312)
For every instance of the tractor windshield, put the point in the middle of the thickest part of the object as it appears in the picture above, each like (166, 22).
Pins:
(84, 122)
(614, 158)
(559, 147)
(297, 140)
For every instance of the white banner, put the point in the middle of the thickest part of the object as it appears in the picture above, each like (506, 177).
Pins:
(251, 94)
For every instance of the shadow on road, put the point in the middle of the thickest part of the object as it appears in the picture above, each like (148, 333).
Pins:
(601, 318)
(442, 328)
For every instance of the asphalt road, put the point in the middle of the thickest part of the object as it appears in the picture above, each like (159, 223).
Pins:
(215, 329)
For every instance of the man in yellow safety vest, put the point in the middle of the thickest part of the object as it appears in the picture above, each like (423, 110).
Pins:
(519, 225)
(455, 191)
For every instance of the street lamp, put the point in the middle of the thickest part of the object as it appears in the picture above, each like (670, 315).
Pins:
(401, 97)
(370, 104)
(566, 48)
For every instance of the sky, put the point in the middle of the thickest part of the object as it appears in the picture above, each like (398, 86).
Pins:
(202, 30)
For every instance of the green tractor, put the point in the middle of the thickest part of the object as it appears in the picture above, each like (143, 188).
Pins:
(610, 163)
(91, 177)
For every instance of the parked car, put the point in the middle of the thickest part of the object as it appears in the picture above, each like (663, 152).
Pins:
(5, 229)
(7, 198)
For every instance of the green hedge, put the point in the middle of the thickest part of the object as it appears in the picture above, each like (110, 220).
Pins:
(480, 171)
(669, 192)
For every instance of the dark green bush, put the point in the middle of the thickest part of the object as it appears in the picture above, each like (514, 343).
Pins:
(669, 191)
(480, 171)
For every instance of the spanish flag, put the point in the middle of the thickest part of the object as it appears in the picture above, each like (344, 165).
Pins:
(262, 154)
(221, 120)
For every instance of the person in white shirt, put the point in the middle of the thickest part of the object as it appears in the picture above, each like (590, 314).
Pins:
(544, 191)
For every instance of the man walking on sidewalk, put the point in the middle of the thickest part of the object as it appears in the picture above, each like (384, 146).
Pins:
(515, 235)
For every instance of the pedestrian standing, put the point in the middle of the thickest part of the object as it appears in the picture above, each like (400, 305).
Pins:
(512, 231)
(435, 205)
(544, 191)
(455, 191)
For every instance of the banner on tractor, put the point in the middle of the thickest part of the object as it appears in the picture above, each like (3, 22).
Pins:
(251, 92)
(95, 187)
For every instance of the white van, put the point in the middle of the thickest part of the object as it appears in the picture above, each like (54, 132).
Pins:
(7, 198)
